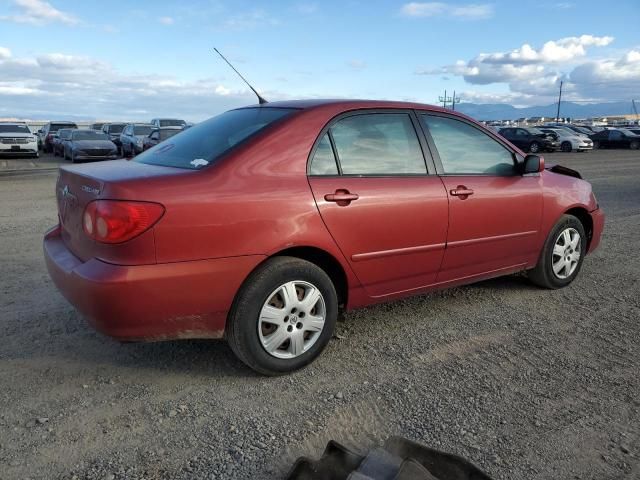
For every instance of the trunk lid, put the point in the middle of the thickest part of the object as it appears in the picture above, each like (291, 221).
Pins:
(78, 185)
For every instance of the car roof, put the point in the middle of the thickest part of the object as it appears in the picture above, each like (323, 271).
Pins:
(351, 104)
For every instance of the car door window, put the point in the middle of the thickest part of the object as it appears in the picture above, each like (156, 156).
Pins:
(615, 135)
(465, 149)
(324, 161)
(378, 144)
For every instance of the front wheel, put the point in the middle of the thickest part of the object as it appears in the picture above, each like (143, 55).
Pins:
(566, 147)
(283, 316)
(596, 145)
(562, 254)
(534, 147)
(634, 145)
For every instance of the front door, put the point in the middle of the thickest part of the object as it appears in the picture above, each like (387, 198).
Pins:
(372, 188)
(494, 212)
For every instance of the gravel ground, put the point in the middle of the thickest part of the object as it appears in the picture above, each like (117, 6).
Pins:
(525, 383)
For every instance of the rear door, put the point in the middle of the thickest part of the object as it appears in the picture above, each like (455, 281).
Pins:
(494, 212)
(385, 211)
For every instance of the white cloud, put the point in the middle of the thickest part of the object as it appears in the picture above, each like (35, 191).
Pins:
(88, 88)
(357, 64)
(535, 73)
(435, 9)
(39, 12)
(249, 20)
(5, 53)
(166, 20)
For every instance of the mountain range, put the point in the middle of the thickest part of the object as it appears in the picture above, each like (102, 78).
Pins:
(501, 111)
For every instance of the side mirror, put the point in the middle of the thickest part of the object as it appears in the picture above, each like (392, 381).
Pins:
(533, 164)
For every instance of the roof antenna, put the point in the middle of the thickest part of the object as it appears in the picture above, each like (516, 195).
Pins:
(260, 99)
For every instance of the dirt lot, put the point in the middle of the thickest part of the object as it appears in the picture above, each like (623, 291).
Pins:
(526, 383)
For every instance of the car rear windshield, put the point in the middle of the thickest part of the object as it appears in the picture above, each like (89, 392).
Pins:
(116, 127)
(14, 129)
(89, 135)
(57, 126)
(202, 144)
(142, 129)
(172, 123)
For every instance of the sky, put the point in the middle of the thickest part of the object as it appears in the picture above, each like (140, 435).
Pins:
(138, 60)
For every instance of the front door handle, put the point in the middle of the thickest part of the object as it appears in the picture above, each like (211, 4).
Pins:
(341, 197)
(461, 191)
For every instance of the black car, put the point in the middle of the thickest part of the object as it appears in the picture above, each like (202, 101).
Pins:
(46, 133)
(616, 138)
(113, 130)
(158, 135)
(89, 145)
(530, 139)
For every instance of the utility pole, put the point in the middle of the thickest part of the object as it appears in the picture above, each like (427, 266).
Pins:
(559, 100)
(454, 100)
(444, 99)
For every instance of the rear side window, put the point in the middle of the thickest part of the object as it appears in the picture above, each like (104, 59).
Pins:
(324, 162)
(205, 142)
(465, 149)
(378, 144)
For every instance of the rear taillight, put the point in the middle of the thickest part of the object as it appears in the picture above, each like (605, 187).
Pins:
(116, 221)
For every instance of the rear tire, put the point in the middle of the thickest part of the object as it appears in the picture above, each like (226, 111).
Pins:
(272, 300)
(566, 147)
(562, 254)
(596, 145)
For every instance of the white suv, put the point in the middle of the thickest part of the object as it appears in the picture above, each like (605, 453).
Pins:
(17, 140)
(168, 122)
(570, 140)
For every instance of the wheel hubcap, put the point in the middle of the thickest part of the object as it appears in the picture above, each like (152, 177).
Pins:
(292, 319)
(566, 253)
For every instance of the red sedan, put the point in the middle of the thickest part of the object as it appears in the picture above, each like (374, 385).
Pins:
(261, 224)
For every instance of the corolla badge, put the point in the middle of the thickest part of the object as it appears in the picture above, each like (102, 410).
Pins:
(88, 189)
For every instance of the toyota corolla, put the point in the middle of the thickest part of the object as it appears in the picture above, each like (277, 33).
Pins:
(261, 224)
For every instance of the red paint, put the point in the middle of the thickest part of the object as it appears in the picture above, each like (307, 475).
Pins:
(393, 236)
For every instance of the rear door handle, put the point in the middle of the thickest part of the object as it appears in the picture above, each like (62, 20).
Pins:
(461, 191)
(341, 197)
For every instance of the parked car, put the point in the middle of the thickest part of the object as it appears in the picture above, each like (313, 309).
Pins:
(59, 138)
(616, 138)
(158, 135)
(49, 129)
(168, 122)
(569, 140)
(530, 139)
(96, 126)
(89, 145)
(113, 130)
(132, 138)
(17, 140)
(261, 224)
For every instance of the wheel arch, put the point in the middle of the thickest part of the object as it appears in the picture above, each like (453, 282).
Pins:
(584, 216)
(324, 260)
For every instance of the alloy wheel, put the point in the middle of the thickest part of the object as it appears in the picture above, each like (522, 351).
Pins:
(292, 319)
(566, 253)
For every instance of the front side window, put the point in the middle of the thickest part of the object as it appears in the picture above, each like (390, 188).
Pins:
(204, 143)
(323, 161)
(378, 144)
(465, 149)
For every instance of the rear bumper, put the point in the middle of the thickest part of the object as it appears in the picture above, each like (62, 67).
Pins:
(149, 302)
(598, 226)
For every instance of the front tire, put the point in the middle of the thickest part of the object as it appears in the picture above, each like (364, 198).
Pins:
(566, 147)
(562, 254)
(634, 145)
(283, 316)
(534, 147)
